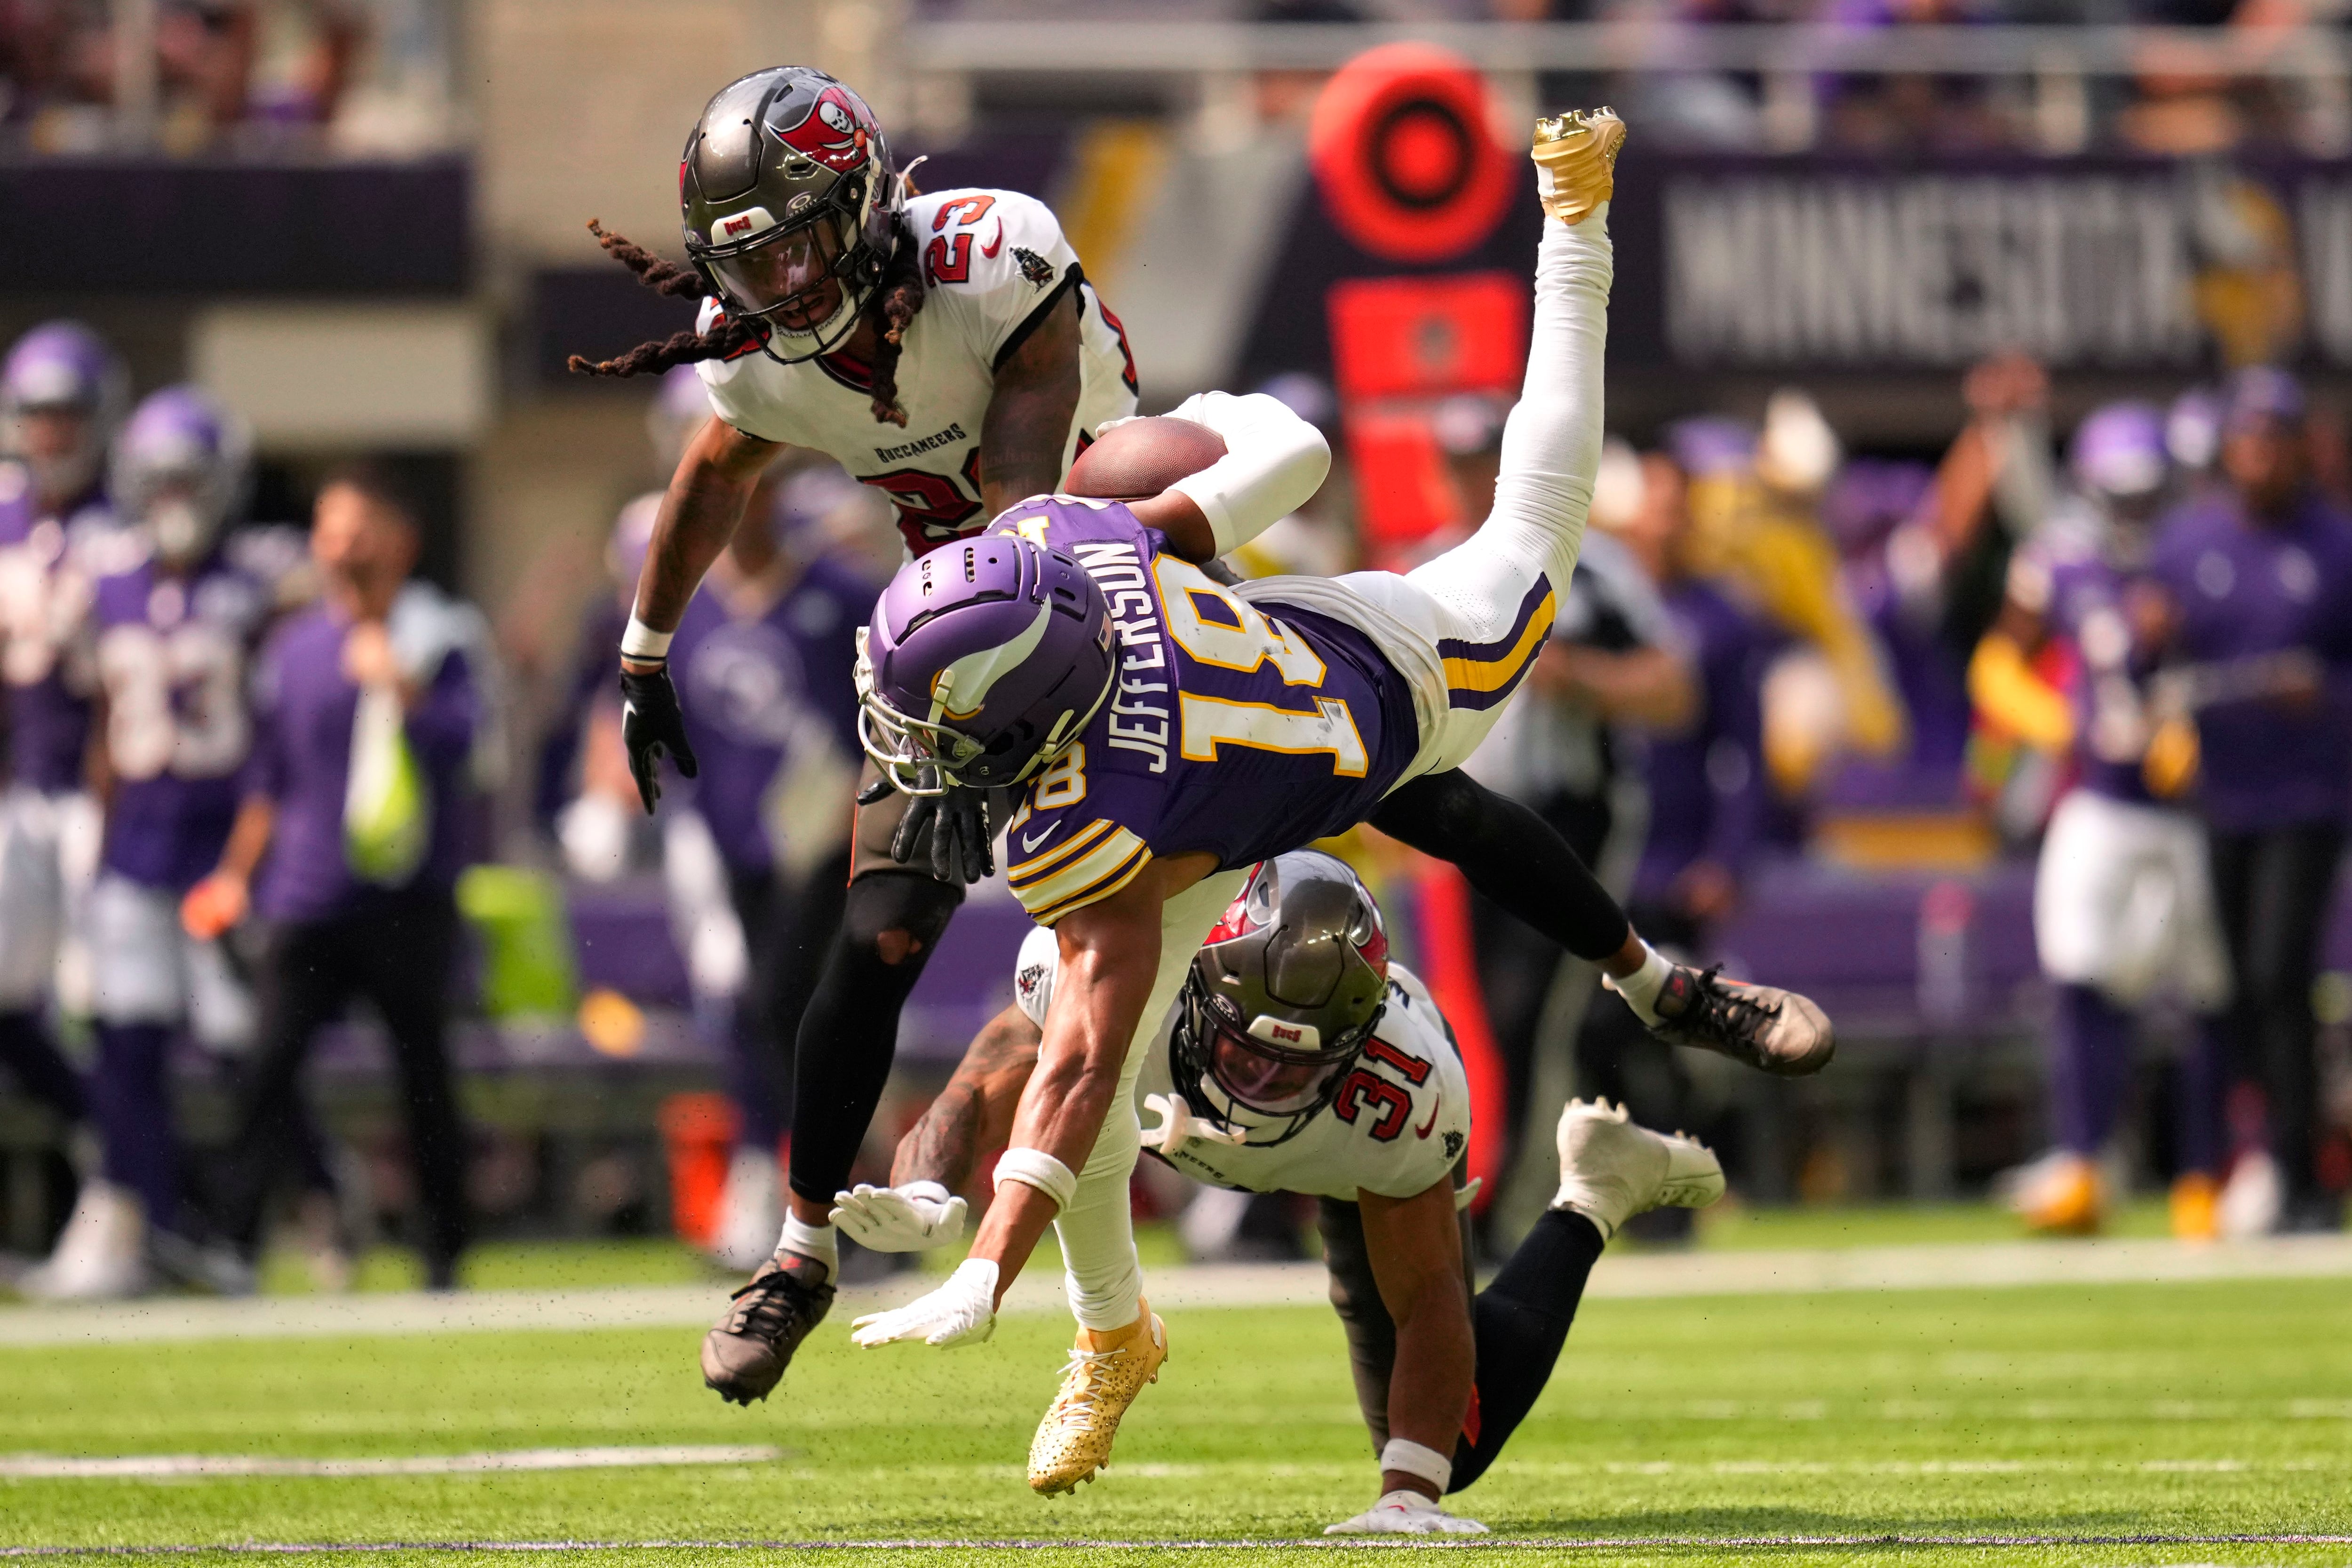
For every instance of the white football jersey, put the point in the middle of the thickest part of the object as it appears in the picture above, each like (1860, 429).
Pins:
(993, 263)
(1401, 1122)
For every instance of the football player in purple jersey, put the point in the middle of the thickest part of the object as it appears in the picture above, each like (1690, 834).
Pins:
(2122, 907)
(170, 626)
(1167, 733)
(61, 392)
(1301, 1057)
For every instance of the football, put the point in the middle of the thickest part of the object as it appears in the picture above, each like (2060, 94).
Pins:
(1142, 457)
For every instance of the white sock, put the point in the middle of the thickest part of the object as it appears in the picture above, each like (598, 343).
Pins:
(822, 1242)
(1640, 988)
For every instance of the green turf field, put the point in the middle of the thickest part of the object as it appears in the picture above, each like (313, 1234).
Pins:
(2183, 1410)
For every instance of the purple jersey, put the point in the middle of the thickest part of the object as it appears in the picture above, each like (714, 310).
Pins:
(43, 603)
(172, 662)
(1231, 730)
(2086, 608)
(1706, 784)
(304, 711)
(755, 685)
(2246, 589)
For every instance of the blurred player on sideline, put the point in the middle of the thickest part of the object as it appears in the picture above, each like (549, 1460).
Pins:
(171, 628)
(62, 391)
(348, 841)
(2123, 909)
(1299, 1058)
(1166, 730)
(2256, 576)
(944, 348)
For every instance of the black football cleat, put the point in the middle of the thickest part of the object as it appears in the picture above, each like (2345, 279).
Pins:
(746, 1352)
(1772, 1030)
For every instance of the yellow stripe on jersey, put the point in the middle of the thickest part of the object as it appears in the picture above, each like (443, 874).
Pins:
(1477, 674)
(1037, 864)
(1108, 861)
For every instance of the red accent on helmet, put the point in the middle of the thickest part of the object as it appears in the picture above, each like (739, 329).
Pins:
(1235, 920)
(1376, 952)
(832, 132)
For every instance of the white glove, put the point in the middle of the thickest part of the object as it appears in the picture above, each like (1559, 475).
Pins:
(899, 1220)
(1178, 1125)
(960, 1313)
(1406, 1512)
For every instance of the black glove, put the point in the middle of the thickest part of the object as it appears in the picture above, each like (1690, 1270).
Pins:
(650, 725)
(959, 824)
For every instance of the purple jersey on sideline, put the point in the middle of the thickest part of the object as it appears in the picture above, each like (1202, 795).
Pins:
(2086, 608)
(1229, 731)
(2243, 589)
(171, 660)
(304, 710)
(44, 601)
(1706, 784)
(750, 685)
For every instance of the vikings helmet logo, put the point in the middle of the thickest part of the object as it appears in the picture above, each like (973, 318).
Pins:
(829, 133)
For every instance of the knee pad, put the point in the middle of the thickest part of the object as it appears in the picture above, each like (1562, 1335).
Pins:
(883, 902)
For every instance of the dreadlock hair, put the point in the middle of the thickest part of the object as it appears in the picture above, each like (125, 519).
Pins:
(896, 301)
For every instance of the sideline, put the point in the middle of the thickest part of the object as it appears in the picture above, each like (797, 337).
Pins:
(1635, 1276)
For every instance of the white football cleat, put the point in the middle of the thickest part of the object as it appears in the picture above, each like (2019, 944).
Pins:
(102, 1254)
(1611, 1169)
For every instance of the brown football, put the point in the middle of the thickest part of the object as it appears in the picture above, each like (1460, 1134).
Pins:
(1142, 457)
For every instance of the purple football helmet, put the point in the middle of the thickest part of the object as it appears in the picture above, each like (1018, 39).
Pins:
(2118, 452)
(180, 470)
(984, 660)
(62, 367)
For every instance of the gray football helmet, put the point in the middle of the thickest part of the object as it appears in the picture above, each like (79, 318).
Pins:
(1282, 998)
(790, 207)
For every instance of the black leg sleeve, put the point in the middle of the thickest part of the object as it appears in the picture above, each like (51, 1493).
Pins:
(890, 924)
(1521, 1321)
(1510, 855)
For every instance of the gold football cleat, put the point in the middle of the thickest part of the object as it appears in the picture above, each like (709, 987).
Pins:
(1107, 1369)
(1575, 155)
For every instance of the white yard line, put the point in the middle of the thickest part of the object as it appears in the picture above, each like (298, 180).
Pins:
(1086, 1543)
(1631, 1275)
(166, 1467)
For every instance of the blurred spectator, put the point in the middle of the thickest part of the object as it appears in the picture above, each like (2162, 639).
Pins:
(757, 861)
(348, 844)
(2123, 904)
(1755, 517)
(2256, 580)
(1909, 113)
(1613, 660)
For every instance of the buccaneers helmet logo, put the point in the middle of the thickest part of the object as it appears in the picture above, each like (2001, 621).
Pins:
(829, 133)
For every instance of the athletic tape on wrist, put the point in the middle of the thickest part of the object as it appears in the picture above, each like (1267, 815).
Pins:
(641, 641)
(1036, 1168)
(1408, 1457)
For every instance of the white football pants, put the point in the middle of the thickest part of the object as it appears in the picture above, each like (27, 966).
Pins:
(1465, 627)
(2122, 900)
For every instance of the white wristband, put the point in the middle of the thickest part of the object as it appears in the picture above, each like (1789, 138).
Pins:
(1036, 1168)
(641, 641)
(1408, 1457)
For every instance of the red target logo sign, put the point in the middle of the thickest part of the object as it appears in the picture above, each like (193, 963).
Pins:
(1401, 153)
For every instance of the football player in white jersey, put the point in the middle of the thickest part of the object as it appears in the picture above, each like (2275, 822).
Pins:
(1299, 1058)
(946, 349)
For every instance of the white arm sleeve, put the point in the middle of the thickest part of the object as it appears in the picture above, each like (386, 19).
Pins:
(1273, 463)
(1551, 445)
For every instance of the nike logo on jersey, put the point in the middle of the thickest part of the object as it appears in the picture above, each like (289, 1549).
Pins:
(1029, 844)
(1429, 1126)
(994, 246)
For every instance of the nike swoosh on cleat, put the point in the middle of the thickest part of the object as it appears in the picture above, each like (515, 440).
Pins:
(1029, 844)
(1424, 1129)
(990, 250)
